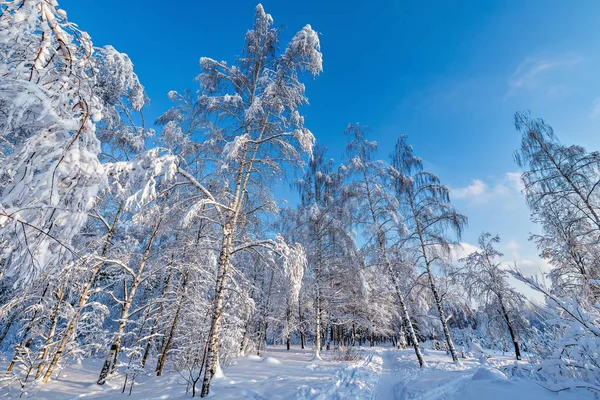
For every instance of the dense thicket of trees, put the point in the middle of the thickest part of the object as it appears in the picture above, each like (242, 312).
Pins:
(179, 257)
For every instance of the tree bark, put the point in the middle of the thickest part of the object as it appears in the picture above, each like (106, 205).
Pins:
(301, 325)
(163, 356)
(262, 330)
(513, 337)
(155, 321)
(212, 354)
(7, 327)
(443, 320)
(436, 296)
(26, 333)
(81, 303)
(54, 321)
(113, 354)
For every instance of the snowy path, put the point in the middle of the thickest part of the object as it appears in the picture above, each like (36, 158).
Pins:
(389, 377)
(399, 370)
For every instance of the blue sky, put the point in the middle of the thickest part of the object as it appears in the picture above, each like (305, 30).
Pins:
(450, 74)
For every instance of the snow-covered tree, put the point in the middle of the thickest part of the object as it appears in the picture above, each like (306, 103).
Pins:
(429, 219)
(377, 213)
(55, 87)
(254, 108)
(561, 186)
(487, 283)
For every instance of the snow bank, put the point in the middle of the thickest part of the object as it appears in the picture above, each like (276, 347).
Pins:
(271, 360)
(490, 374)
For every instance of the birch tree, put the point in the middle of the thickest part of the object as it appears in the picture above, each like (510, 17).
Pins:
(377, 212)
(561, 187)
(254, 108)
(324, 230)
(429, 219)
(486, 281)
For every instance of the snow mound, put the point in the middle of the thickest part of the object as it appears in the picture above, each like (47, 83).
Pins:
(253, 357)
(271, 360)
(488, 374)
(219, 373)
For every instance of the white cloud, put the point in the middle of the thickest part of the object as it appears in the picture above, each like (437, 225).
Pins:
(479, 192)
(462, 250)
(532, 74)
(475, 190)
(514, 178)
(512, 245)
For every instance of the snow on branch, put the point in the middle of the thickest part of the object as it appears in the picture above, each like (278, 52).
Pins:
(294, 265)
(137, 181)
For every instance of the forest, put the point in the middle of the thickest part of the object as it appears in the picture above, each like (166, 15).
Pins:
(143, 248)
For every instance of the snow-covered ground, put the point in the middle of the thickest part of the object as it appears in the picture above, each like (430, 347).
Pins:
(381, 373)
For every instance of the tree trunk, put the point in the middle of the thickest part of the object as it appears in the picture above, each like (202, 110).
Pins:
(53, 322)
(26, 333)
(163, 355)
(443, 320)
(81, 303)
(436, 296)
(288, 315)
(155, 321)
(317, 344)
(7, 327)
(513, 337)
(113, 354)
(263, 324)
(301, 319)
(212, 354)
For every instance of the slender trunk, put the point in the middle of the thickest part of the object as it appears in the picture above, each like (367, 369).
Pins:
(288, 316)
(382, 248)
(443, 320)
(7, 327)
(54, 321)
(318, 321)
(436, 295)
(513, 336)
(301, 320)
(328, 334)
(81, 303)
(155, 321)
(262, 327)
(113, 354)
(212, 354)
(19, 347)
(165, 350)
